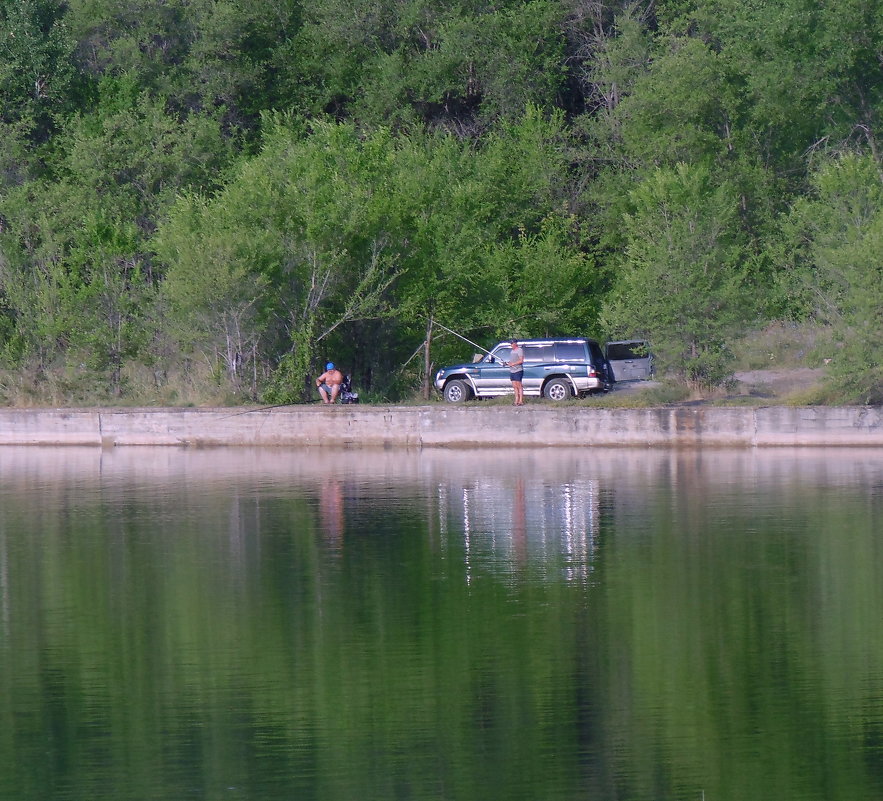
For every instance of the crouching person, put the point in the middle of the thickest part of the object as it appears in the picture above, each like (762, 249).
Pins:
(329, 383)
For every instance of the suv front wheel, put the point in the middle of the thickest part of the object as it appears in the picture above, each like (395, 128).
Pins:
(558, 389)
(457, 391)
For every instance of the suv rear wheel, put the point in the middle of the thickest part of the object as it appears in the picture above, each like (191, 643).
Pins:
(457, 391)
(558, 389)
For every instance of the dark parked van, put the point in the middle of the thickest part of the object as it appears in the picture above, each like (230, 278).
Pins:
(553, 368)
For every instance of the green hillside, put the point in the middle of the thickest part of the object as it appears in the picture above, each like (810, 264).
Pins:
(202, 201)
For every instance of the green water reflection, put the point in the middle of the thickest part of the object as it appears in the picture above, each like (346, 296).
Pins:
(517, 625)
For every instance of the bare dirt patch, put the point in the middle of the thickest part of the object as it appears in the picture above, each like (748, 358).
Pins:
(769, 385)
(779, 383)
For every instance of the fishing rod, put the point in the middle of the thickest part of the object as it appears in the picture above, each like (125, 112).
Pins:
(434, 322)
(261, 409)
(474, 345)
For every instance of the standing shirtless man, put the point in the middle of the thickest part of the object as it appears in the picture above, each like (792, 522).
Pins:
(329, 383)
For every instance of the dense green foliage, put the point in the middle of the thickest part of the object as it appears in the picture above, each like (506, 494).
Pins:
(203, 200)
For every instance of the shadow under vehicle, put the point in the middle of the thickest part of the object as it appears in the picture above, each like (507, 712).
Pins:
(556, 369)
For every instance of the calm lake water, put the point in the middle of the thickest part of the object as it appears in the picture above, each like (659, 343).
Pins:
(466, 626)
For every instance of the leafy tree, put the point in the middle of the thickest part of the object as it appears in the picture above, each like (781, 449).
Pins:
(683, 283)
(327, 229)
(297, 244)
(550, 285)
(837, 246)
(36, 74)
(15, 155)
(611, 55)
(678, 109)
(73, 277)
(479, 220)
(421, 61)
(199, 55)
(78, 275)
(809, 72)
(215, 295)
(674, 97)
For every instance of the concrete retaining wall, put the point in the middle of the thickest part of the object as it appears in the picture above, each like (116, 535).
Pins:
(446, 426)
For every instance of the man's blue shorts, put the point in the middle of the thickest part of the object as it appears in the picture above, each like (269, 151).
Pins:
(516, 376)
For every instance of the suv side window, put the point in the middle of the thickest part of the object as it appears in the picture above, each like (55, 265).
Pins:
(538, 353)
(570, 351)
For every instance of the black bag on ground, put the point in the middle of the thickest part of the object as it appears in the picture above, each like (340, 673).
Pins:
(346, 391)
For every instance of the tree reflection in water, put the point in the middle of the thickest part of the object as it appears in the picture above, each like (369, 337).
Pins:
(433, 625)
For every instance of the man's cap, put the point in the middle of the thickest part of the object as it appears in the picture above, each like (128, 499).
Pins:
(329, 366)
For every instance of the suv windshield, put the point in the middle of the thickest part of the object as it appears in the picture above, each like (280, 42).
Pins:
(502, 354)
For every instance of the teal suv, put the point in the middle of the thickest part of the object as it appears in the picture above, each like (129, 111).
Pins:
(556, 369)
